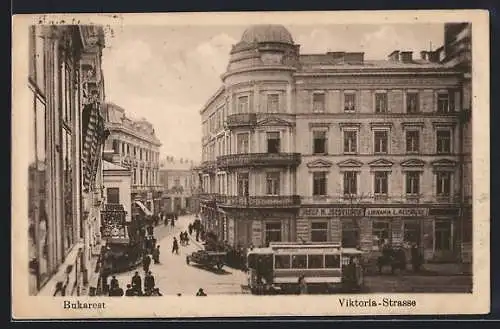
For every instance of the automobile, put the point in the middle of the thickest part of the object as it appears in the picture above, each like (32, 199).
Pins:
(208, 258)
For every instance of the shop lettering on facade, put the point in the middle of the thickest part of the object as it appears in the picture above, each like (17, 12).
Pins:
(361, 212)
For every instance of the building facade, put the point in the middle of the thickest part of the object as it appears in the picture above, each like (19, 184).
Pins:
(176, 180)
(136, 147)
(66, 135)
(333, 147)
(117, 182)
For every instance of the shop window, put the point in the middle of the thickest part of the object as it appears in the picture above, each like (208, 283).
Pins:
(319, 183)
(350, 102)
(273, 142)
(381, 232)
(319, 231)
(318, 102)
(315, 261)
(113, 195)
(412, 104)
(350, 183)
(332, 261)
(319, 142)
(273, 232)
(412, 141)
(350, 234)
(443, 235)
(273, 183)
(381, 103)
(282, 261)
(299, 261)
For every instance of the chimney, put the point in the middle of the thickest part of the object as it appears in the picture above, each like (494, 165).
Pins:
(354, 58)
(394, 56)
(424, 55)
(406, 56)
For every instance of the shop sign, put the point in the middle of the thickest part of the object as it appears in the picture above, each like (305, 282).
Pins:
(397, 212)
(331, 212)
(444, 211)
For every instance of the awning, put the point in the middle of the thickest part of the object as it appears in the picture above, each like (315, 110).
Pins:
(144, 208)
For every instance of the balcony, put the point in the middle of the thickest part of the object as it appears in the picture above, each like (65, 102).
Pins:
(207, 197)
(265, 201)
(241, 120)
(259, 160)
(208, 166)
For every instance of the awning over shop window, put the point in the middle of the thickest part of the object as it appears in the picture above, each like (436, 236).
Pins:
(144, 208)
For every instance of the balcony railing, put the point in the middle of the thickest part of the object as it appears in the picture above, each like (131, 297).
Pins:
(271, 201)
(207, 197)
(258, 160)
(208, 166)
(388, 199)
(241, 120)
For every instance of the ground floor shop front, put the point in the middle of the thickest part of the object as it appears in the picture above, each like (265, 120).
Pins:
(443, 233)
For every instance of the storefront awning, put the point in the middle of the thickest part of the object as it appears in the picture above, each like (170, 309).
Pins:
(144, 208)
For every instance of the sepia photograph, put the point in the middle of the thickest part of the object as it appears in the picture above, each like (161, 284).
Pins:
(334, 160)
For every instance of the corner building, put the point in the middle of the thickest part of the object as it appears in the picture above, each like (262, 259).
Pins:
(333, 147)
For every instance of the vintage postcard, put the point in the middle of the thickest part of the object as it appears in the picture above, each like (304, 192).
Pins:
(250, 164)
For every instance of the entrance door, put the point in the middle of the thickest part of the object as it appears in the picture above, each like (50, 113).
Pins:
(350, 233)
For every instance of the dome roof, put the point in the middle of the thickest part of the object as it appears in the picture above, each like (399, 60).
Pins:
(267, 33)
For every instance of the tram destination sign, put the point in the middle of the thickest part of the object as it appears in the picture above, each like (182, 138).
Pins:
(361, 212)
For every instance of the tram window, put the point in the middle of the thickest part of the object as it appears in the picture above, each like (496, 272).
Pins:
(282, 261)
(332, 261)
(252, 260)
(315, 261)
(299, 261)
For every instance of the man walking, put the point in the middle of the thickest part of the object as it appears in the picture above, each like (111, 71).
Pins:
(146, 262)
(156, 255)
(175, 246)
(149, 283)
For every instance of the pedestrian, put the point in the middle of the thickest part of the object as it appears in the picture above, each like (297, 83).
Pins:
(197, 235)
(137, 283)
(416, 259)
(116, 292)
(156, 255)
(201, 292)
(149, 283)
(181, 238)
(190, 228)
(175, 246)
(302, 285)
(130, 291)
(114, 282)
(186, 237)
(172, 221)
(146, 262)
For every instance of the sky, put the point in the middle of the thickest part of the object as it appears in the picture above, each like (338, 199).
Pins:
(166, 74)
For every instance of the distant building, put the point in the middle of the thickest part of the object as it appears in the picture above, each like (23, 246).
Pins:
(117, 183)
(334, 147)
(136, 147)
(176, 180)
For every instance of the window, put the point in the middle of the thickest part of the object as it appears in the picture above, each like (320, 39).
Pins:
(319, 231)
(381, 232)
(315, 261)
(242, 141)
(273, 183)
(318, 102)
(380, 140)
(282, 261)
(443, 183)
(332, 261)
(381, 182)
(350, 102)
(350, 183)
(243, 104)
(443, 141)
(443, 235)
(319, 183)
(412, 105)
(116, 146)
(299, 261)
(412, 141)
(319, 142)
(350, 141)
(350, 233)
(242, 184)
(413, 183)
(273, 103)
(113, 195)
(444, 103)
(140, 176)
(273, 232)
(273, 142)
(381, 103)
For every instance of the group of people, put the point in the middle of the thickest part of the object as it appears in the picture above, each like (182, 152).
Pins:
(184, 238)
(135, 288)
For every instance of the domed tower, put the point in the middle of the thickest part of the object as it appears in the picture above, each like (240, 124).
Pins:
(256, 164)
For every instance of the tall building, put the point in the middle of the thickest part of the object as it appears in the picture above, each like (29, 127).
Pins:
(333, 147)
(136, 147)
(177, 183)
(66, 136)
